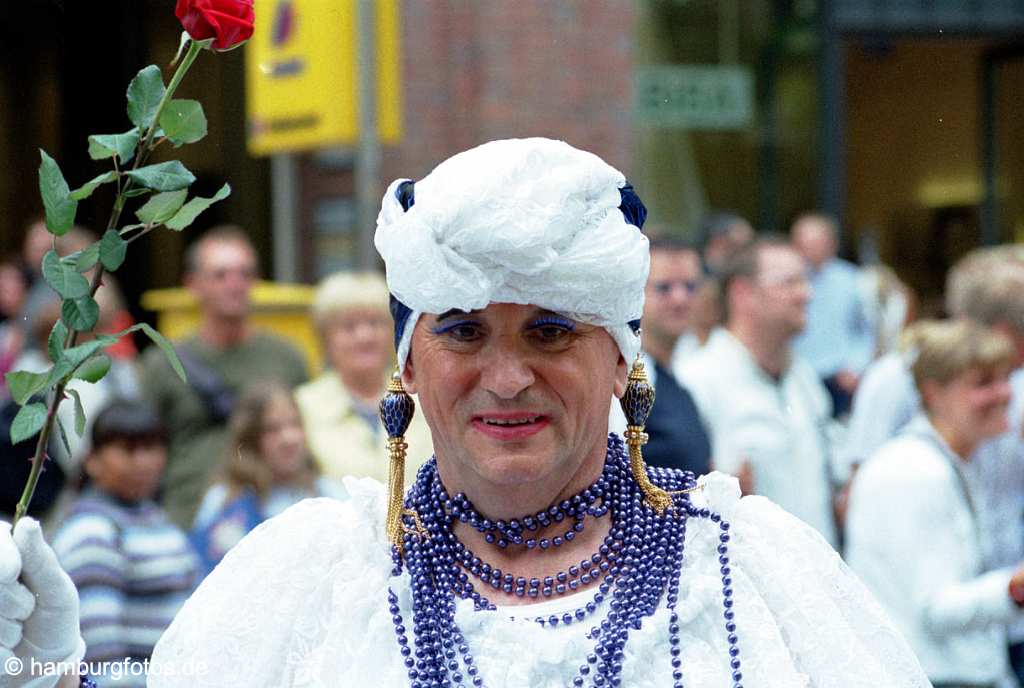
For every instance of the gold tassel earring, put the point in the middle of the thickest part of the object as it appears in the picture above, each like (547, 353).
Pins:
(636, 404)
(396, 412)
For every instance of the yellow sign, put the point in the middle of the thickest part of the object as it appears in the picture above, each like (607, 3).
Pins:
(301, 75)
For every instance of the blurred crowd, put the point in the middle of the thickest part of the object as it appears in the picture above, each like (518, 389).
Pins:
(804, 375)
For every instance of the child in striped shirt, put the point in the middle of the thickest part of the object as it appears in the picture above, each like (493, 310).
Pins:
(132, 566)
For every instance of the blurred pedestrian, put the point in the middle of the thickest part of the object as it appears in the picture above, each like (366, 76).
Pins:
(890, 304)
(913, 531)
(764, 407)
(722, 234)
(14, 283)
(987, 287)
(677, 437)
(267, 469)
(838, 340)
(224, 355)
(339, 408)
(132, 567)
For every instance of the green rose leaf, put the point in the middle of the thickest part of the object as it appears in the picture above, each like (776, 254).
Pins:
(191, 210)
(71, 359)
(85, 259)
(132, 193)
(161, 207)
(55, 342)
(60, 207)
(64, 277)
(79, 412)
(103, 146)
(28, 422)
(165, 346)
(94, 369)
(144, 94)
(80, 314)
(23, 384)
(164, 176)
(183, 121)
(112, 250)
(63, 436)
(86, 189)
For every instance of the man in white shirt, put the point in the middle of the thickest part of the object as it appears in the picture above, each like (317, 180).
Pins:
(838, 341)
(765, 408)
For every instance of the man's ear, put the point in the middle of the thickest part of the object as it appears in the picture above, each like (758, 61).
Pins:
(621, 373)
(409, 375)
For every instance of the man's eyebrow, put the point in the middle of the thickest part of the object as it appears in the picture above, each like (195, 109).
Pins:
(453, 312)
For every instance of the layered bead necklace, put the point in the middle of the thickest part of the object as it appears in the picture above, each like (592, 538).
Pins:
(637, 565)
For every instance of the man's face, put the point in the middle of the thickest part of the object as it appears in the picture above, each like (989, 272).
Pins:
(515, 396)
(669, 295)
(812, 237)
(781, 290)
(224, 279)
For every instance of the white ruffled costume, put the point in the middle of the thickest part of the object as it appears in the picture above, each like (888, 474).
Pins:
(302, 601)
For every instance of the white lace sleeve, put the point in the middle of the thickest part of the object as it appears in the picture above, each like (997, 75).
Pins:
(238, 626)
(836, 632)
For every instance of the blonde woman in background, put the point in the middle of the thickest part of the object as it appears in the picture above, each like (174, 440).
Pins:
(339, 408)
(913, 532)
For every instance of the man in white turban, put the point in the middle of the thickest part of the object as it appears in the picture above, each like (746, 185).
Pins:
(534, 550)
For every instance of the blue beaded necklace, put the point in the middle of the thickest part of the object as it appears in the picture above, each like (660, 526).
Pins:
(638, 565)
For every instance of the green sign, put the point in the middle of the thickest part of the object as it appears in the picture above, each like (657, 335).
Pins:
(710, 97)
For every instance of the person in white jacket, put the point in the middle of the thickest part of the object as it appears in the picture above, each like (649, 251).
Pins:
(913, 533)
(535, 550)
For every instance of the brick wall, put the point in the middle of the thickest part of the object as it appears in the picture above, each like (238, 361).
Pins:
(476, 70)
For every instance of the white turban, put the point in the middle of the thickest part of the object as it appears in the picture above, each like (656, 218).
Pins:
(528, 221)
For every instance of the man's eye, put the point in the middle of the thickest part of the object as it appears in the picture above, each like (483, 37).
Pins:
(551, 332)
(459, 331)
(465, 332)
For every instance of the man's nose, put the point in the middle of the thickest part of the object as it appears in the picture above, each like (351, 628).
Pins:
(506, 372)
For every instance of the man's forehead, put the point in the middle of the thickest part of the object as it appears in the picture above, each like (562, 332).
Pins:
(687, 258)
(216, 254)
(495, 309)
(780, 255)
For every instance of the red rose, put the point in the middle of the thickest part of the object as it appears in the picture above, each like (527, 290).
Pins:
(227, 21)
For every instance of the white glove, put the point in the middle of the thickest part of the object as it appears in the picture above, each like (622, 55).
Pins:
(38, 609)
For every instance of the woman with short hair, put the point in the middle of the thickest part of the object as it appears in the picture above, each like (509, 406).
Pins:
(912, 527)
(339, 408)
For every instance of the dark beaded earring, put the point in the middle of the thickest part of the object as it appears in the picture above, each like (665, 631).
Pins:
(636, 403)
(396, 412)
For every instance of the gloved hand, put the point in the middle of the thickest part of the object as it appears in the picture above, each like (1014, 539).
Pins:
(38, 608)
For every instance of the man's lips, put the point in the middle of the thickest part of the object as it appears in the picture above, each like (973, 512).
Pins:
(510, 426)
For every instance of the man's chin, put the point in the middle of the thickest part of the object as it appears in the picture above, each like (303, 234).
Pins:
(504, 465)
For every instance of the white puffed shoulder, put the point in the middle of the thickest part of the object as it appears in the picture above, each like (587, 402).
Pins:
(834, 629)
(237, 626)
